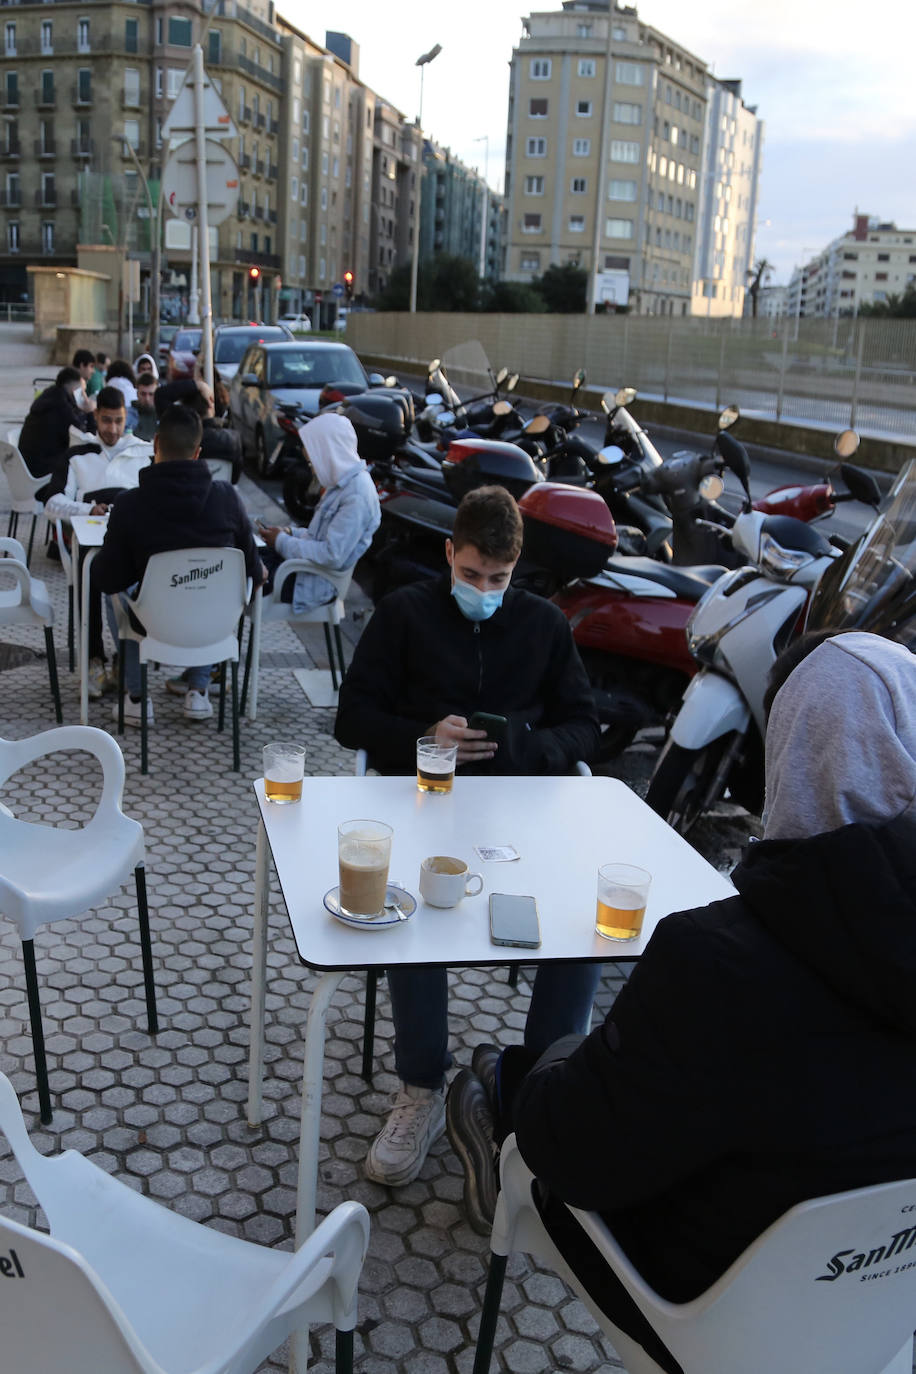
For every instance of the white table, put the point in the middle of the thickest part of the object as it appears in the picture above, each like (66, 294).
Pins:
(89, 534)
(563, 828)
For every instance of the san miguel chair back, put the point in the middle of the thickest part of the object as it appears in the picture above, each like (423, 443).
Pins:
(266, 609)
(829, 1288)
(23, 487)
(24, 600)
(51, 874)
(122, 1285)
(189, 604)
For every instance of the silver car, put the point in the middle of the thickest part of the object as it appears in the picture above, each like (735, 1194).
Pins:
(231, 340)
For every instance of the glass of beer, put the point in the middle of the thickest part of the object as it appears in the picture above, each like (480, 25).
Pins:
(622, 893)
(284, 765)
(363, 855)
(435, 764)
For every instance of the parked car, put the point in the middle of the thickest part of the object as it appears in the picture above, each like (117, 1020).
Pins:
(182, 354)
(231, 340)
(272, 375)
(299, 324)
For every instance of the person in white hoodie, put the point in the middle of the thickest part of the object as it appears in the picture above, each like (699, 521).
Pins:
(96, 472)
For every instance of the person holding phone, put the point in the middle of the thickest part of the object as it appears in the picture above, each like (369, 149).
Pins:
(432, 656)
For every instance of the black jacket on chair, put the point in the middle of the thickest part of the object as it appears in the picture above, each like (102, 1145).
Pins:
(762, 1053)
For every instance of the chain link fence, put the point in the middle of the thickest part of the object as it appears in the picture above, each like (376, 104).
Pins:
(823, 373)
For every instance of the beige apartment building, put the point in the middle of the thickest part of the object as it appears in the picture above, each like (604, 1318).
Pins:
(605, 146)
(865, 266)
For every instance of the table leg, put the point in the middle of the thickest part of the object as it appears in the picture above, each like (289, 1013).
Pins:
(310, 1132)
(258, 977)
(83, 577)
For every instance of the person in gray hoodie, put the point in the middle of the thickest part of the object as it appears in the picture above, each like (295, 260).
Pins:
(764, 1050)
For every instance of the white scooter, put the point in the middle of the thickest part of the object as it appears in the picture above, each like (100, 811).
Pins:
(737, 631)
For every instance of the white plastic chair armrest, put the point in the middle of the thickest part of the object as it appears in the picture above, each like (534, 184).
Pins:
(346, 1232)
(340, 579)
(13, 547)
(15, 754)
(582, 769)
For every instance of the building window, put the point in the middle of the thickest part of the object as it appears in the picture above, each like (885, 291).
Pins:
(215, 47)
(583, 109)
(630, 74)
(537, 109)
(586, 66)
(884, 257)
(582, 147)
(12, 236)
(48, 191)
(10, 38)
(536, 147)
(880, 276)
(47, 236)
(179, 32)
(627, 113)
(531, 224)
(12, 188)
(47, 36)
(132, 86)
(619, 34)
(304, 197)
(622, 151)
(583, 30)
(621, 190)
(84, 85)
(174, 78)
(132, 133)
(577, 224)
(294, 188)
(131, 35)
(539, 69)
(530, 262)
(618, 228)
(82, 35)
(47, 87)
(160, 32)
(534, 186)
(578, 186)
(324, 197)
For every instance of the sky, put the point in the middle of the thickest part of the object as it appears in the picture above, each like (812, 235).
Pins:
(834, 88)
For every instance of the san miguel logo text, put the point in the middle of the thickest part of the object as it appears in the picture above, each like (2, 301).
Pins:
(10, 1268)
(850, 1261)
(196, 574)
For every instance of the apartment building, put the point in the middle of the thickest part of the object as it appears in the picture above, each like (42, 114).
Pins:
(459, 214)
(865, 266)
(727, 218)
(606, 132)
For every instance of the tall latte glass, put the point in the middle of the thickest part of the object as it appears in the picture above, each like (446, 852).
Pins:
(435, 765)
(363, 855)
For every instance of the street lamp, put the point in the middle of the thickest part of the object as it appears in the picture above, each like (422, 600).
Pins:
(415, 263)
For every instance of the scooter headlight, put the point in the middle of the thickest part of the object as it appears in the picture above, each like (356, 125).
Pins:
(780, 562)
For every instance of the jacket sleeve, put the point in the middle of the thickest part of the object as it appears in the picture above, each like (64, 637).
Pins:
(651, 1096)
(569, 728)
(114, 567)
(341, 543)
(372, 691)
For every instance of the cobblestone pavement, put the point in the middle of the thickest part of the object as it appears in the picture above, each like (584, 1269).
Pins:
(168, 1115)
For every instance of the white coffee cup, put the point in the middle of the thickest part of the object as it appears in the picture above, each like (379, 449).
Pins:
(444, 881)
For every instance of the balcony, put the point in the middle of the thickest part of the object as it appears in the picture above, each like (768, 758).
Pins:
(11, 200)
(46, 199)
(258, 168)
(11, 149)
(244, 161)
(271, 216)
(46, 98)
(260, 121)
(273, 171)
(259, 212)
(81, 96)
(245, 115)
(244, 209)
(243, 255)
(81, 147)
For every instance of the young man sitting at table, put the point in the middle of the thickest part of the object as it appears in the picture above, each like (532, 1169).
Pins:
(177, 505)
(763, 1051)
(431, 656)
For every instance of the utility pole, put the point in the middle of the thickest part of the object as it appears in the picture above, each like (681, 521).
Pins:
(415, 261)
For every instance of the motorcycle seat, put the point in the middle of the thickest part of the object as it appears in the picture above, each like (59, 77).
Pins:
(427, 477)
(795, 534)
(687, 583)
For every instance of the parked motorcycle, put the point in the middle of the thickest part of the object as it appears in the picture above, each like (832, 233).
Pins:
(735, 634)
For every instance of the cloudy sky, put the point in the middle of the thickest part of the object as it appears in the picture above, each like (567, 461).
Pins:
(835, 91)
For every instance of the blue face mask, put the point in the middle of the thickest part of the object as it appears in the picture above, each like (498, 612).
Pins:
(475, 605)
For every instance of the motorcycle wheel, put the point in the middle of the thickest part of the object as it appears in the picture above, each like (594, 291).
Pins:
(680, 784)
(300, 492)
(261, 460)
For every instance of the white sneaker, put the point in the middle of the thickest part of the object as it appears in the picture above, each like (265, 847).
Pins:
(398, 1152)
(132, 713)
(197, 706)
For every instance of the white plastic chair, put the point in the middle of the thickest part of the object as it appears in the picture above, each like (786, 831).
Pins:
(270, 608)
(22, 486)
(24, 601)
(51, 874)
(190, 604)
(66, 562)
(785, 1304)
(122, 1285)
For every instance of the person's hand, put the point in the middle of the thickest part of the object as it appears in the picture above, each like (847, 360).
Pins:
(99, 508)
(473, 745)
(270, 534)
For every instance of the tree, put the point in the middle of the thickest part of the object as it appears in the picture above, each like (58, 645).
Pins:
(896, 307)
(445, 282)
(511, 298)
(563, 288)
(757, 277)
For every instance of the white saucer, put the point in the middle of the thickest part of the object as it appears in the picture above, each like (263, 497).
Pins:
(406, 905)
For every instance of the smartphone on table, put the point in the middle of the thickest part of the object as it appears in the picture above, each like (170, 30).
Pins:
(514, 921)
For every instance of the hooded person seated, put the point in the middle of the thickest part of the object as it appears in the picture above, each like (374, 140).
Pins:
(345, 519)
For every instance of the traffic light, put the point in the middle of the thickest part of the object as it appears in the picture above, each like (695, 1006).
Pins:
(254, 274)
(348, 284)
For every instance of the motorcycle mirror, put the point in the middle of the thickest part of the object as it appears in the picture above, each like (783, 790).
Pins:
(846, 443)
(537, 424)
(580, 379)
(711, 487)
(862, 486)
(728, 417)
(376, 379)
(625, 396)
(611, 455)
(735, 456)
(502, 408)
(512, 383)
(501, 375)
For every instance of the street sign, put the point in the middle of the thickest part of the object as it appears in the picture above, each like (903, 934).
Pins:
(338, 288)
(181, 117)
(179, 181)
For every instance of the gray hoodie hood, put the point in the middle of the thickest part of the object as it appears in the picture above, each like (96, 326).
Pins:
(841, 739)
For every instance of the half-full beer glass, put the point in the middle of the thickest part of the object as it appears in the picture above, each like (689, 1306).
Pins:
(623, 891)
(435, 764)
(284, 765)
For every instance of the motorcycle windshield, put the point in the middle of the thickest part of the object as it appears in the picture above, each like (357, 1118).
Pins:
(634, 440)
(873, 586)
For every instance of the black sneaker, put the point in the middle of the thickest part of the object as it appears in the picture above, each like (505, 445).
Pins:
(483, 1062)
(469, 1123)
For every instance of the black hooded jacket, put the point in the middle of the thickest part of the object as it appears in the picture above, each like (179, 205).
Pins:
(763, 1053)
(46, 430)
(176, 506)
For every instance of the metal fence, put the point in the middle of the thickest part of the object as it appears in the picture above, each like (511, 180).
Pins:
(823, 373)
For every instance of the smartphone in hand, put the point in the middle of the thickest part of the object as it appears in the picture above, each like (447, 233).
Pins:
(495, 726)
